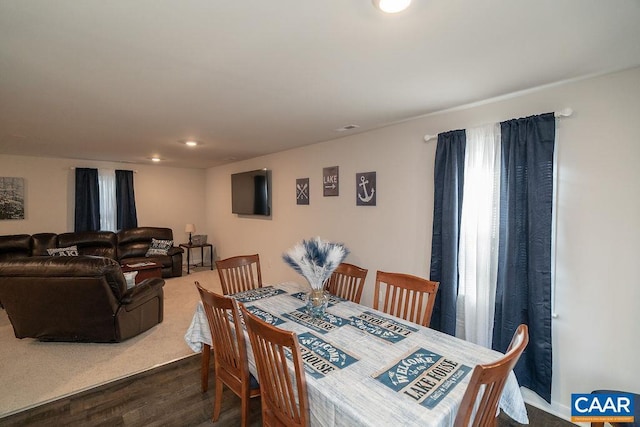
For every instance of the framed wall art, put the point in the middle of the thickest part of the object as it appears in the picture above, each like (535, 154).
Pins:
(302, 191)
(330, 181)
(366, 189)
(11, 198)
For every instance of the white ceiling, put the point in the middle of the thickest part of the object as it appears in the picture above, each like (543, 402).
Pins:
(123, 80)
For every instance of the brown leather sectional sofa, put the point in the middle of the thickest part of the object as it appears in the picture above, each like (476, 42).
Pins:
(84, 297)
(125, 246)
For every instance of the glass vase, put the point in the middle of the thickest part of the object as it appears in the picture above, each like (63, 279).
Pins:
(317, 302)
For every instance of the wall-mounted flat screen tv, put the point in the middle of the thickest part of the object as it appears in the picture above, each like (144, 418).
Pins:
(251, 193)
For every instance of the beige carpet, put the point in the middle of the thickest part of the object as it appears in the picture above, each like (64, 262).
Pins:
(33, 372)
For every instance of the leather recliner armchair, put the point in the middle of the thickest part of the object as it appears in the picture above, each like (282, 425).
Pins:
(82, 298)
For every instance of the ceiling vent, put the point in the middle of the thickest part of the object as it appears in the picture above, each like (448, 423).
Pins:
(347, 127)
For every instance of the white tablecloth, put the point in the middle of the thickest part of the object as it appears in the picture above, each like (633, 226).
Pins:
(352, 396)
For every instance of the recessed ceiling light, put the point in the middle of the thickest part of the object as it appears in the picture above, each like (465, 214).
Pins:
(155, 159)
(191, 143)
(391, 6)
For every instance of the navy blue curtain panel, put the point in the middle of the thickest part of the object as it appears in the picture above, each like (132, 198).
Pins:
(87, 212)
(447, 210)
(126, 215)
(523, 293)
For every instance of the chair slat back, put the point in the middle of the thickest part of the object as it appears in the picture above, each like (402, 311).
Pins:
(284, 398)
(239, 273)
(405, 296)
(230, 352)
(347, 281)
(222, 315)
(486, 385)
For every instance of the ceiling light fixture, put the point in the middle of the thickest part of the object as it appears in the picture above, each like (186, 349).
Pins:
(191, 143)
(391, 6)
(155, 159)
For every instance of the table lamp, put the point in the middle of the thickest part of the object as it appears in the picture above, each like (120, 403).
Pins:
(190, 228)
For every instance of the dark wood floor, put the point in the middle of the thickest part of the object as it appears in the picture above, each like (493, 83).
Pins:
(167, 396)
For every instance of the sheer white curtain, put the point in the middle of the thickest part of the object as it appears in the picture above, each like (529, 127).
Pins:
(478, 250)
(107, 186)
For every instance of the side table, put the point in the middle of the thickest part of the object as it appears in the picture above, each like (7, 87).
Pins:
(188, 248)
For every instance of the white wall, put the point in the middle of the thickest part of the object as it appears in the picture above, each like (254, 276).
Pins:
(165, 197)
(595, 336)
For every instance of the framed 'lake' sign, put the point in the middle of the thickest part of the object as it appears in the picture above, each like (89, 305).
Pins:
(330, 182)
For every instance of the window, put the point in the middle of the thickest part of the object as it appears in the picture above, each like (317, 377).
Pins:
(107, 187)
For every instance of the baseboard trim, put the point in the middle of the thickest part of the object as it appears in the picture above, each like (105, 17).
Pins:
(560, 411)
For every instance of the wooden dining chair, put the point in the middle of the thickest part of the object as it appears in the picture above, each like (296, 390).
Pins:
(486, 385)
(229, 350)
(405, 296)
(284, 398)
(239, 273)
(347, 281)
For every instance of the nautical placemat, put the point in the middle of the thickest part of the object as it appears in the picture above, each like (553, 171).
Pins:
(424, 376)
(327, 323)
(381, 327)
(256, 294)
(264, 315)
(333, 300)
(320, 357)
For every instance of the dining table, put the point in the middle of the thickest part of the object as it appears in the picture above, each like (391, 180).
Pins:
(368, 368)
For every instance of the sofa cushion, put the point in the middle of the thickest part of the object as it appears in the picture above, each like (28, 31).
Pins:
(15, 246)
(95, 243)
(159, 247)
(68, 251)
(42, 242)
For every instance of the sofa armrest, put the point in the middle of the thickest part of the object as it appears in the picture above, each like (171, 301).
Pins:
(176, 260)
(147, 286)
(175, 250)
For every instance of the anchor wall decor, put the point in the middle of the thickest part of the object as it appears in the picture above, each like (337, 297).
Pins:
(366, 189)
(302, 191)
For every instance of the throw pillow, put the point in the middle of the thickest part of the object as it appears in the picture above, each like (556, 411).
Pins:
(159, 247)
(68, 251)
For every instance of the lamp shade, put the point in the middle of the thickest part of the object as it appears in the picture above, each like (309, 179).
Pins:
(190, 228)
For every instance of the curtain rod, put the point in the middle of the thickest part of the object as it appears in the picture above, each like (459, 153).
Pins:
(565, 112)
(74, 168)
